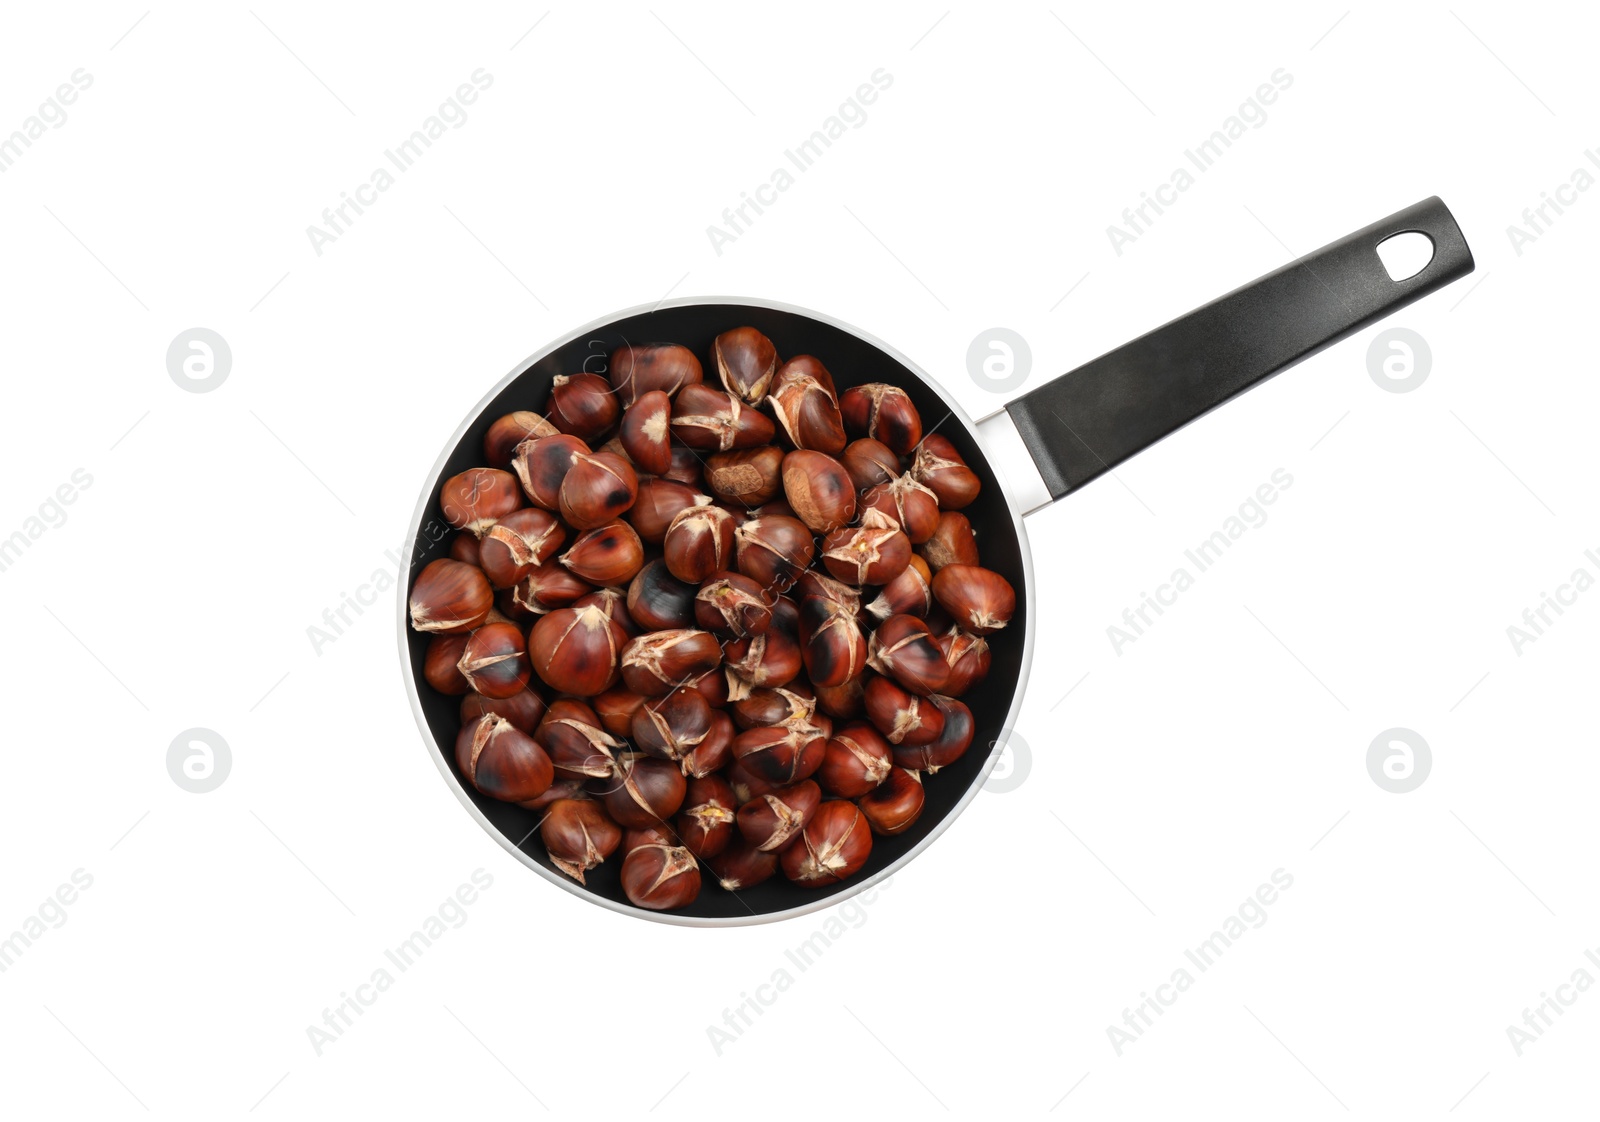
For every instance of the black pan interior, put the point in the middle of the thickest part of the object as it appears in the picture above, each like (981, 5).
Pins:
(852, 361)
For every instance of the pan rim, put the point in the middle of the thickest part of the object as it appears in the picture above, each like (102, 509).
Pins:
(438, 755)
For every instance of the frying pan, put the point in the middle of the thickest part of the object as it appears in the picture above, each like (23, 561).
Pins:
(1044, 445)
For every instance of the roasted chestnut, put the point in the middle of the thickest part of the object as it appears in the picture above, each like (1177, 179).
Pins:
(699, 542)
(967, 656)
(773, 550)
(524, 709)
(955, 737)
(478, 498)
(905, 650)
(819, 489)
(732, 605)
(747, 477)
(903, 717)
(771, 821)
(709, 420)
(951, 543)
(909, 504)
(576, 744)
(647, 432)
(981, 600)
(518, 543)
(892, 807)
(542, 463)
(660, 877)
(450, 597)
(598, 488)
(577, 650)
(644, 791)
(501, 441)
(611, 554)
(804, 401)
(582, 404)
(855, 760)
(706, 821)
(869, 463)
(741, 865)
(547, 587)
(659, 501)
(833, 845)
(671, 727)
(657, 663)
(578, 836)
(909, 593)
(940, 468)
(874, 552)
(659, 601)
(494, 660)
(636, 371)
(884, 413)
(745, 361)
(502, 761)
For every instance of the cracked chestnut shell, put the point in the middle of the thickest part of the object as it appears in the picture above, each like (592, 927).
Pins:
(895, 805)
(967, 656)
(732, 605)
(779, 754)
(658, 502)
(709, 420)
(883, 412)
(661, 877)
(494, 660)
(908, 504)
(951, 543)
(954, 738)
(546, 587)
(519, 543)
(773, 550)
(657, 663)
(699, 542)
(741, 865)
(578, 835)
(439, 664)
(450, 597)
(834, 845)
(819, 490)
(644, 792)
(831, 640)
(667, 367)
(939, 467)
(671, 727)
(770, 821)
(478, 498)
(578, 747)
(705, 824)
(502, 761)
(501, 441)
(542, 463)
(745, 361)
(576, 650)
(855, 760)
(874, 552)
(902, 717)
(905, 650)
(909, 593)
(714, 752)
(980, 600)
(808, 410)
(869, 463)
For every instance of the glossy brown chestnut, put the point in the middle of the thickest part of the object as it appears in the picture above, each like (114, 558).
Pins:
(832, 644)
(615, 709)
(611, 554)
(893, 807)
(905, 650)
(518, 543)
(779, 754)
(855, 760)
(773, 550)
(667, 367)
(450, 597)
(478, 498)
(657, 663)
(660, 877)
(968, 657)
(709, 420)
(599, 488)
(502, 761)
(439, 664)
(657, 833)
(911, 506)
(846, 701)
(659, 501)
(686, 467)
(770, 821)
(501, 441)
(747, 477)
(981, 600)
(613, 601)
(951, 543)
(909, 593)
(645, 791)
(673, 726)
(578, 747)
(577, 650)
(732, 605)
(646, 432)
(464, 547)
(659, 601)
(774, 705)
(770, 659)
(558, 790)
(745, 361)
(714, 752)
(547, 587)
(706, 821)
(803, 398)
(524, 709)
(902, 717)
(884, 413)
(494, 660)
(955, 737)
(579, 835)
(869, 463)
(819, 489)
(939, 467)
(582, 404)
(542, 463)
(834, 845)
(741, 865)
(873, 553)
(699, 542)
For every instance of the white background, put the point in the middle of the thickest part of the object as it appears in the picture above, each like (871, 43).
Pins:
(1228, 742)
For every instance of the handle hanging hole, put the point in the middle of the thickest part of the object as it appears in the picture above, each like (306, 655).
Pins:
(1405, 255)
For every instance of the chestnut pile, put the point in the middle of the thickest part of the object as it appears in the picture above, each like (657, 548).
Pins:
(750, 632)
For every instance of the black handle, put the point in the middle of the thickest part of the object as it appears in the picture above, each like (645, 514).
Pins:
(1087, 422)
